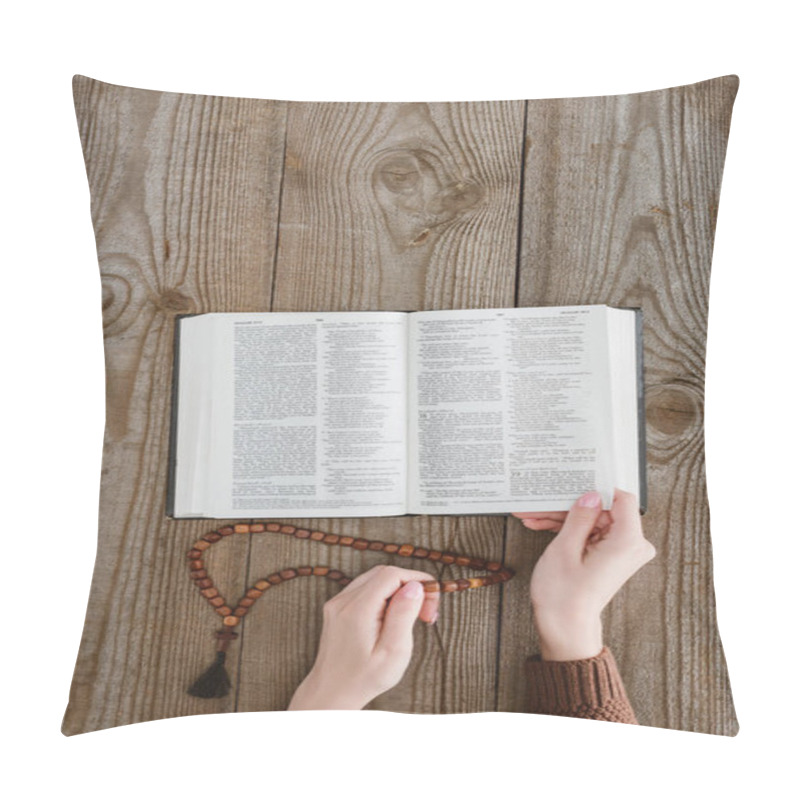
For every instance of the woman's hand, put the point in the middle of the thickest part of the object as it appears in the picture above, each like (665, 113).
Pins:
(367, 638)
(593, 555)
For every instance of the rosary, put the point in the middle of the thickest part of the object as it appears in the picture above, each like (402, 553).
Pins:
(214, 682)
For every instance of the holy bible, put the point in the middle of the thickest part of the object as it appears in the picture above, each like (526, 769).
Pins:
(384, 413)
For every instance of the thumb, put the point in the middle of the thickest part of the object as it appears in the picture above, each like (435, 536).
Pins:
(401, 613)
(580, 521)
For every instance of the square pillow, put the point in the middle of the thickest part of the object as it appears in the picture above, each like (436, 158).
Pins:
(206, 204)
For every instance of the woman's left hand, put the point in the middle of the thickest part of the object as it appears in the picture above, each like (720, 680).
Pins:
(367, 638)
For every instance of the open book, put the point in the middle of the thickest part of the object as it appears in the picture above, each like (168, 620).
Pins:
(352, 414)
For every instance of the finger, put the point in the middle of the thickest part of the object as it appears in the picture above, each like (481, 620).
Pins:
(401, 613)
(557, 517)
(542, 524)
(381, 581)
(550, 524)
(625, 516)
(376, 573)
(430, 607)
(361, 579)
(580, 522)
(386, 580)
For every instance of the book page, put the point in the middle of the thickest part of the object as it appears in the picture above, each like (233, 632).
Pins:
(308, 414)
(509, 409)
(625, 400)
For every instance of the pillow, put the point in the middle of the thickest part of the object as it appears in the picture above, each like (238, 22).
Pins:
(204, 204)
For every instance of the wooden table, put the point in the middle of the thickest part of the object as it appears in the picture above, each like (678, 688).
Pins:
(222, 204)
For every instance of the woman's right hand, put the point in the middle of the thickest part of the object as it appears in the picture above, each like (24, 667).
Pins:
(367, 638)
(593, 555)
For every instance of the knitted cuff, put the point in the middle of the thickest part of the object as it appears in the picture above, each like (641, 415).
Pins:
(590, 688)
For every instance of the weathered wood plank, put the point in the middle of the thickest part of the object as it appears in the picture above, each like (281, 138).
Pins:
(184, 198)
(620, 200)
(398, 206)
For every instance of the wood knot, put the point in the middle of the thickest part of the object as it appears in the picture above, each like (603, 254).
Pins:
(116, 297)
(400, 173)
(418, 195)
(459, 197)
(420, 239)
(173, 300)
(672, 410)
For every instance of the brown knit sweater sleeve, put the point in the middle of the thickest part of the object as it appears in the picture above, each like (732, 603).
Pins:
(590, 688)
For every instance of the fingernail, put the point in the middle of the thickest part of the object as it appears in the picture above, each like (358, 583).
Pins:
(590, 500)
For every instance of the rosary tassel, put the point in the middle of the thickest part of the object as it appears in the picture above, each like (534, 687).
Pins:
(215, 681)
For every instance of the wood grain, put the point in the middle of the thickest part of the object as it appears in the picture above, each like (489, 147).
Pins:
(184, 203)
(221, 204)
(392, 207)
(620, 202)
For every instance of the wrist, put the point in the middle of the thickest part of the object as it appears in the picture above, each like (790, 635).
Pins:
(568, 636)
(317, 695)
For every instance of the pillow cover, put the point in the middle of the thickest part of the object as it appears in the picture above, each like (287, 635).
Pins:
(205, 204)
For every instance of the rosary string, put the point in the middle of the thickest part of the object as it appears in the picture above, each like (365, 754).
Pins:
(215, 681)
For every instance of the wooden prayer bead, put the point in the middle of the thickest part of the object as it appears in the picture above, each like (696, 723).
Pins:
(331, 538)
(405, 550)
(420, 552)
(262, 585)
(241, 610)
(201, 545)
(475, 583)
(375, 546)
(203, 583)
(360, 544)
(210, 592)
(434, 555)
(274, 579)
(223, 611)
(212, 538)
(391, 548)
(288, 574)
(304, 571)
(302, 533)
(241, 529)
(194, 553)
(198, 573)
(449, 586)
(226, 531)
(217, 601)
(257, 528)
(462, 561)
(493, 566)
(196, 564)
(273, 526)
(246, 602)
(317, 536)
(321, 571)
(334, 574)
(346, 541)
(289, 529)
(447, 558)
(230, 621)
(462, 583)
(253, 594)
(432, 586)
